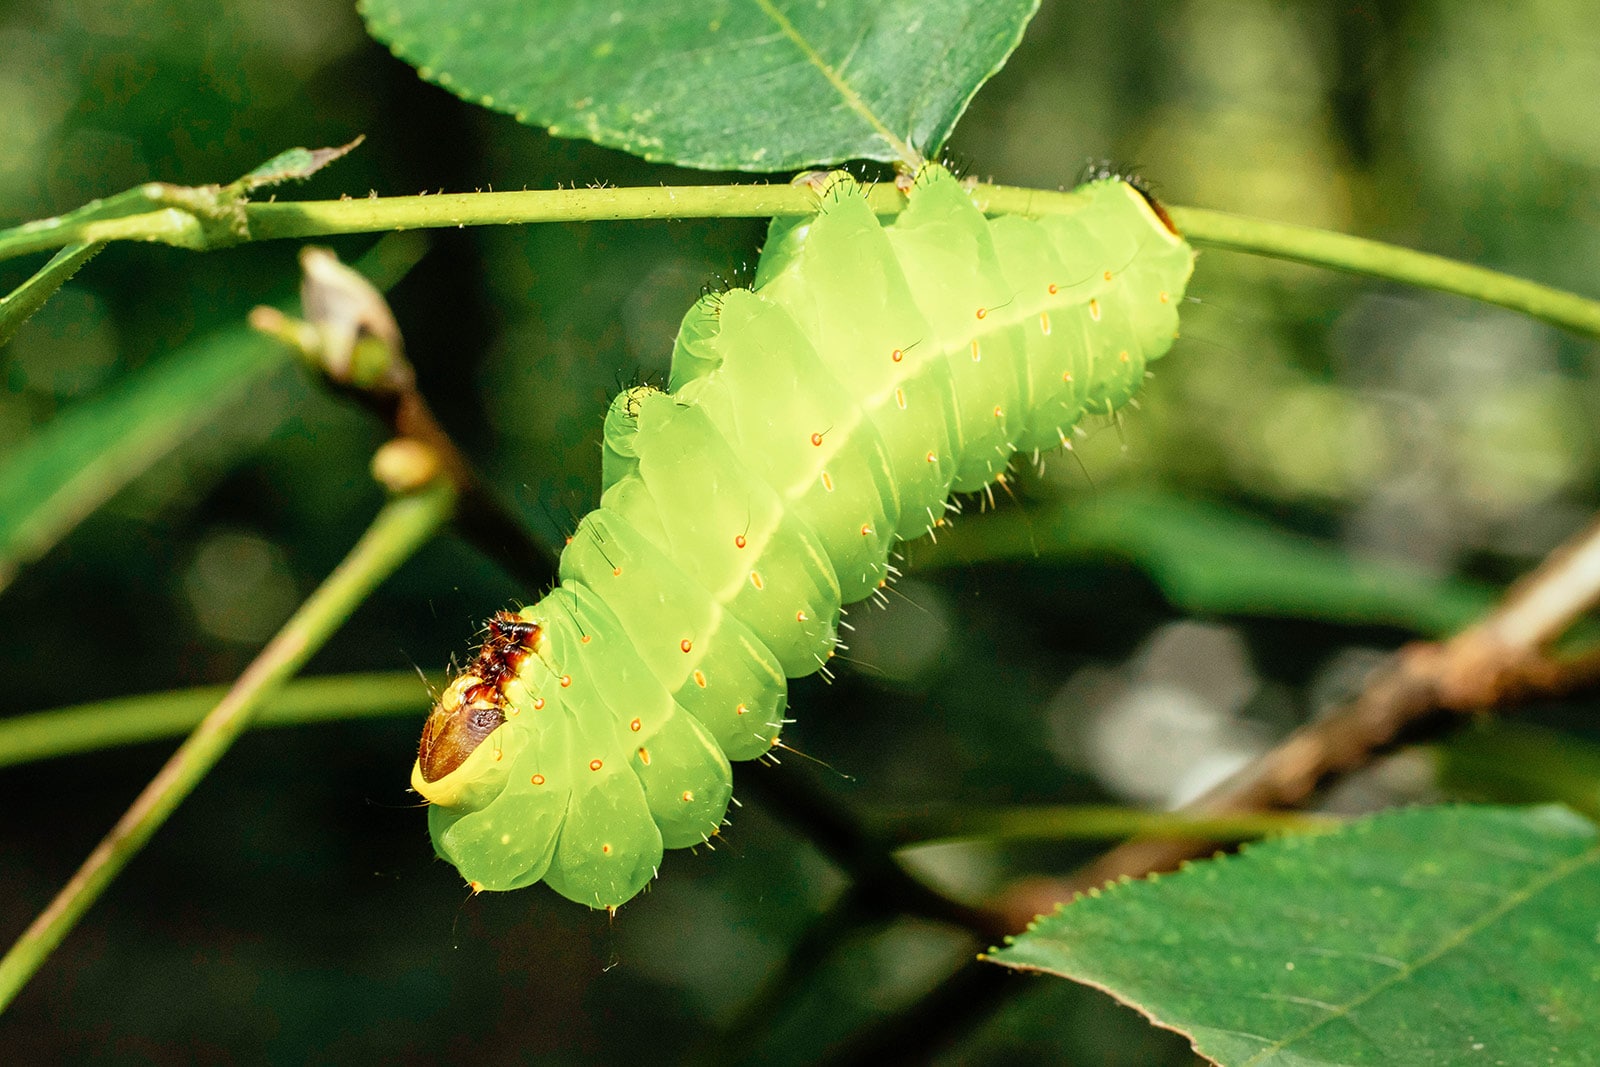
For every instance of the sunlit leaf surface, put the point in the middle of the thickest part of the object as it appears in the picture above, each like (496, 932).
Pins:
(1427, 936)
(764, 85)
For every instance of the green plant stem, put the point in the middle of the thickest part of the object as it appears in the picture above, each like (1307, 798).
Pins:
(1211, 229)
(1092, 822)
(1358, 255)
(167, 226)
(741, 1040)
(31, 294)
(316, 218)
(403, 526)
(152, 716)
(870, 863)
(270, 221)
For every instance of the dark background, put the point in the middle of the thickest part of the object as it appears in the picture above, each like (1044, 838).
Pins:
(292, 911)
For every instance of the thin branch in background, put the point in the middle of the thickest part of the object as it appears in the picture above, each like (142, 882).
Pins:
(955, 823)
(403, 526)
(132, 720)
(350, 338)
(869, 863)
(741, 1039)
(933, 1022)
(1502, 660)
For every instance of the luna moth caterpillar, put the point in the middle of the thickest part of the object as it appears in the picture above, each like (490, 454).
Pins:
(810, 422)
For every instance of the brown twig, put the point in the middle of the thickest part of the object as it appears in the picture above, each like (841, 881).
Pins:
(351, 338)
(1499, 661)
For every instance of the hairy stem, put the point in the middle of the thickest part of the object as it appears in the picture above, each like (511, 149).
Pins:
(403, 526)
(1211, 229)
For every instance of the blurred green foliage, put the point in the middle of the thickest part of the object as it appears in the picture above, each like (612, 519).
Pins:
(292, 910)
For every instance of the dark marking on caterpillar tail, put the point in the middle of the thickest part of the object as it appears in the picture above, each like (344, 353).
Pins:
(1104, 170)
(473, 706)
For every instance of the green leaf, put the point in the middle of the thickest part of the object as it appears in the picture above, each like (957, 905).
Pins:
(1426, 936)
(762, 85)
(291, 165)
(1211, 560)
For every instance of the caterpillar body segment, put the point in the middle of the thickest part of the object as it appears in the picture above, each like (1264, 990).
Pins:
(812, 421)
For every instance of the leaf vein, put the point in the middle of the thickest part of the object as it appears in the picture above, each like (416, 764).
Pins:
(1455, 940)
(851, 98)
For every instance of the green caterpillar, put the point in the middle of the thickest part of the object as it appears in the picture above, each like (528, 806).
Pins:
(812, 421)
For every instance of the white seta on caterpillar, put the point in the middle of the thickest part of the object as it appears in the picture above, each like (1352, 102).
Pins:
(813, 420)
